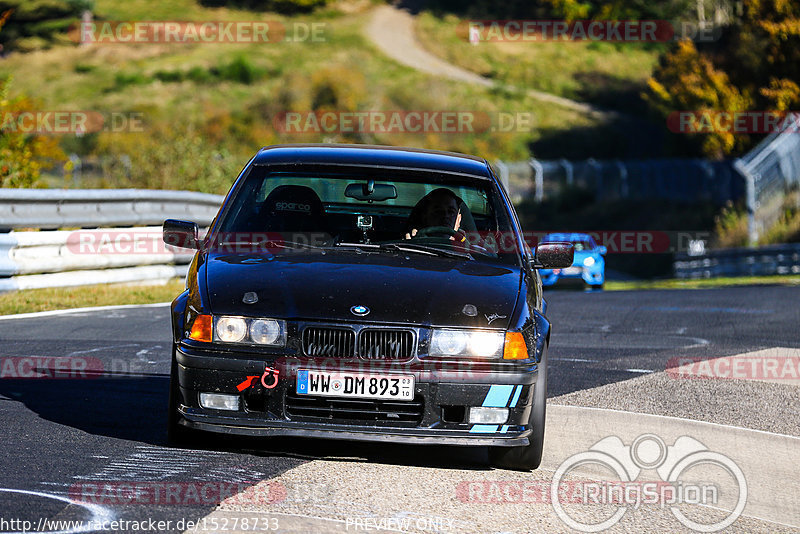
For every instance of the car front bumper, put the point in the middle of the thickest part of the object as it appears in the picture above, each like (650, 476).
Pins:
(575, 273)
(443, 396)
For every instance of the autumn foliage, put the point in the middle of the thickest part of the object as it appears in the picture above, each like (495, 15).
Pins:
(22, 155)
(754, 67)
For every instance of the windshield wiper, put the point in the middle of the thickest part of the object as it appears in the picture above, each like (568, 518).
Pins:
(407, 247)
(275, 244)
(425, 249)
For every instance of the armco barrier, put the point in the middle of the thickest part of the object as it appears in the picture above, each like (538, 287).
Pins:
(154, 274)
(56, 258)
(49, 209)
(64, 250)
(768, 260)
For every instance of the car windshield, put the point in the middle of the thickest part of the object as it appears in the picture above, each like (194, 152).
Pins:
(411, 213)
(583, 245)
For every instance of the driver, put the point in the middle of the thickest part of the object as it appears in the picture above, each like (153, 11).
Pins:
(439, 208)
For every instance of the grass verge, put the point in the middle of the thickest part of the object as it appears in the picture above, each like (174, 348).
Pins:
(35, 300)
(705, 283)
(607, 74)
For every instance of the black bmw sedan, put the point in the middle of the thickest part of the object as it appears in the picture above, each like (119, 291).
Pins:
(364, 293)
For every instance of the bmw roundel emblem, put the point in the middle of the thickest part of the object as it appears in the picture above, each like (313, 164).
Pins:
(359, 310)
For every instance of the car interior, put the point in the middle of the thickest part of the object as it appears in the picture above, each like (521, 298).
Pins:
(298, 209)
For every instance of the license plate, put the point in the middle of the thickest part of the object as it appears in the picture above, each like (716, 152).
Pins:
(356, 385)
(571, 270)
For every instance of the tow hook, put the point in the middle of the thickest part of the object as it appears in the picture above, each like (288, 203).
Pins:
(269, 371)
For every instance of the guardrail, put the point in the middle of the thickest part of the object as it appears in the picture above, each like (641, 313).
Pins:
(92, 254)
(768, 260)
(94, 208)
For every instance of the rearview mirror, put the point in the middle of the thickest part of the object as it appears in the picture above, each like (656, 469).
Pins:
(181, 234)
(602, 250)
(554, 256)
(370, 191)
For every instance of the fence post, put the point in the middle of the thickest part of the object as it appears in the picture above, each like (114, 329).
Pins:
(568, 170)
(126, 163)
(750, 184)
(598, 177)
(623, 179)
(538, 177)
(77, 169)
(502, 168)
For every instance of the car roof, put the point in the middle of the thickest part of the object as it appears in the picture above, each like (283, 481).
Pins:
(373, 156)
(570, 237)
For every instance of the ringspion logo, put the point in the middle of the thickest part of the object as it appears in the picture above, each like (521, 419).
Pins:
(688, 473)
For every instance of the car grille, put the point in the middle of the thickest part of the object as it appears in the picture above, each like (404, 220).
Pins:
(373, 343)
(356, 411)
(329, 342)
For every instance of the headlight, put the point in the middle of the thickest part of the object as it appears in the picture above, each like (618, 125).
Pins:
(254, 331)
(475, 343)
(230, 329)
(266, 332)
(448, 342)
(588, 262)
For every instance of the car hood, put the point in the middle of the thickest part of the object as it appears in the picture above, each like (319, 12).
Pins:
(397, 288)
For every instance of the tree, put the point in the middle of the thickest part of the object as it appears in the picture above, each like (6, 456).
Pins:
(687, 81)
(619, 9)
(22, 155)
(765, 52)
(754, 67)
(35, 24)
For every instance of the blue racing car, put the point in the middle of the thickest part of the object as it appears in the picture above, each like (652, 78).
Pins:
(588, 265)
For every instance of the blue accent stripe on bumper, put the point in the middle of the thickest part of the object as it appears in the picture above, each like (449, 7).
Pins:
(486, 429)
(498, 396)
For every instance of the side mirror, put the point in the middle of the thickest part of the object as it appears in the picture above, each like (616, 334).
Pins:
(554, 256)
(181, 234)
(602, 250)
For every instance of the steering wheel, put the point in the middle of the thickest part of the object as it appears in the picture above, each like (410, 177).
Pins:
(438, 230)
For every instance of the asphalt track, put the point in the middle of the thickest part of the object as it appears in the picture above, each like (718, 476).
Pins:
(609, 352)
